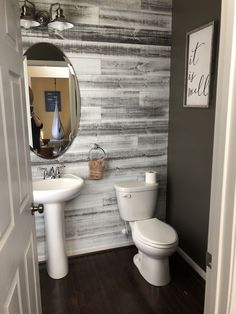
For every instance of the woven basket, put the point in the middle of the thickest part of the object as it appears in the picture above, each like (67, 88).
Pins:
(96, 166)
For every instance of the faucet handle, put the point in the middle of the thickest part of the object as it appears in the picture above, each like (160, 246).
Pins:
(45, 171)
(52, 171)
(58, 170)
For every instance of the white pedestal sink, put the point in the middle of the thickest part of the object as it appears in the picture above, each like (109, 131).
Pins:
(53, 193)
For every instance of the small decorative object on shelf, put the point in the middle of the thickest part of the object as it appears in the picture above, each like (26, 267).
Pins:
(96, 162)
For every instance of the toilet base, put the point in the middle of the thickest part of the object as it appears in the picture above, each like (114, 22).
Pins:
(154, 271)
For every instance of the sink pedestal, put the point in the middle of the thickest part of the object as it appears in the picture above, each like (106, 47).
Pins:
(57, 261)
(53, 193)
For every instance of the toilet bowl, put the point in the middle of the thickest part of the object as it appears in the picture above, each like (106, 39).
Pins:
(154, 239)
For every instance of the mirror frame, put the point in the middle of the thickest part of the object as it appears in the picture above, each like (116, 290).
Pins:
(77, 97)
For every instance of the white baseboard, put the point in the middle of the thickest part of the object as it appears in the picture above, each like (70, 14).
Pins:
(195, 266)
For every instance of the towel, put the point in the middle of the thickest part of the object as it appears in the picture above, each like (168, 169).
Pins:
(96, 169)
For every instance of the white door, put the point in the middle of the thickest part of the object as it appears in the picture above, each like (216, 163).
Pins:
(221, 276)
(19, 278)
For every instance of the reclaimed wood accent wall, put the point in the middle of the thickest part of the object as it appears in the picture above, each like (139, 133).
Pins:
(120, 51)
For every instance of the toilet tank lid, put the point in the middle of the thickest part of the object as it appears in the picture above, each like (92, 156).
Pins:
(135, 186)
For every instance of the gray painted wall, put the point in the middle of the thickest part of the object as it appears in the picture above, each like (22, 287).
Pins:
(121, 54)
(190, 138)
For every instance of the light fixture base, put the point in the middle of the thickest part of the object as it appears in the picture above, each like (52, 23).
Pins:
(43, 17)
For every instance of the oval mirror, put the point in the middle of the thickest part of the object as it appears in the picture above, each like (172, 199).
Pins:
(53, 107)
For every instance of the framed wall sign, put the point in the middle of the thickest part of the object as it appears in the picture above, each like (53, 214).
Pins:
(198, 68)
(51, 98)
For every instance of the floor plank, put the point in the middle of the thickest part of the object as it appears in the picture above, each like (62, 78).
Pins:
(109, 283)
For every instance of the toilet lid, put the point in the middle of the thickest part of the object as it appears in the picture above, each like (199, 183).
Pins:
(155, 232)
(135, 186)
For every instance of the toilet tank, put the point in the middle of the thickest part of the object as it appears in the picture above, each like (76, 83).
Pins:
(136, 199)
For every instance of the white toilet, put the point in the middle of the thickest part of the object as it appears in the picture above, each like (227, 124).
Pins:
(155, 240)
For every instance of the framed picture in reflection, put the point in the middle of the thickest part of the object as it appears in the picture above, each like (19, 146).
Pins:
(51, 99)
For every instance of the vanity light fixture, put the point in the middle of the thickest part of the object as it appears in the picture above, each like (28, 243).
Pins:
(59, 23)
(27, 17)
(32, 18)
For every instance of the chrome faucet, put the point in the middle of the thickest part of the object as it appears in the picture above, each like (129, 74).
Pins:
(58, 170)
(45, 172)
(53, 173)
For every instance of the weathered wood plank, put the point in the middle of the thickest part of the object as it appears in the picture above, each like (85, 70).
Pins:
(132, 112)
(98, 98)
(86, 66)
(78, 14)
(75, 48)
(118, 35)
(140, 164)
(125, 127)
(156, 5)
(107, 34)
(154, 102)
(152, 98)
(92, 226)
(124, 100)
(91, 113)
(129, 103)
(135, 83)
(108, 143)
(115, 99)
(92, 101)
(160, 141)
(129, 67)
(106, 94)
(136, 19)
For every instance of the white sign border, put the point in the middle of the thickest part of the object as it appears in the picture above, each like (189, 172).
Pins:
(186, 73)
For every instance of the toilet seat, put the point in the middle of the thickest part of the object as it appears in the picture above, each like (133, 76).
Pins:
(155, 233)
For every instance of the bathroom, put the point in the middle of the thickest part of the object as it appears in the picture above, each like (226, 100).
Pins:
(129, 59)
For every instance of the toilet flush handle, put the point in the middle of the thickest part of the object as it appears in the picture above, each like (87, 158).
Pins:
(127, 195)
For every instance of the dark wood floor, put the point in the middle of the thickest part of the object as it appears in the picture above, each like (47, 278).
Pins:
(109, 283)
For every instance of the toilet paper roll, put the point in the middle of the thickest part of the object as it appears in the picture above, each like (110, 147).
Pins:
(151, 177)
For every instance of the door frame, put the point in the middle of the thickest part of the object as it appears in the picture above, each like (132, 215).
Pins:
(221, 277)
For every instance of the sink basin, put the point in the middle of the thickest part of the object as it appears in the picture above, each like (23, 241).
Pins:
(57, 190)
(53, 193)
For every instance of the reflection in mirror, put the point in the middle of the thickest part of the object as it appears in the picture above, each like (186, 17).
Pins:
(54, 100)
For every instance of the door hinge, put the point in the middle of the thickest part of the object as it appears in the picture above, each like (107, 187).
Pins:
(209, 259)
